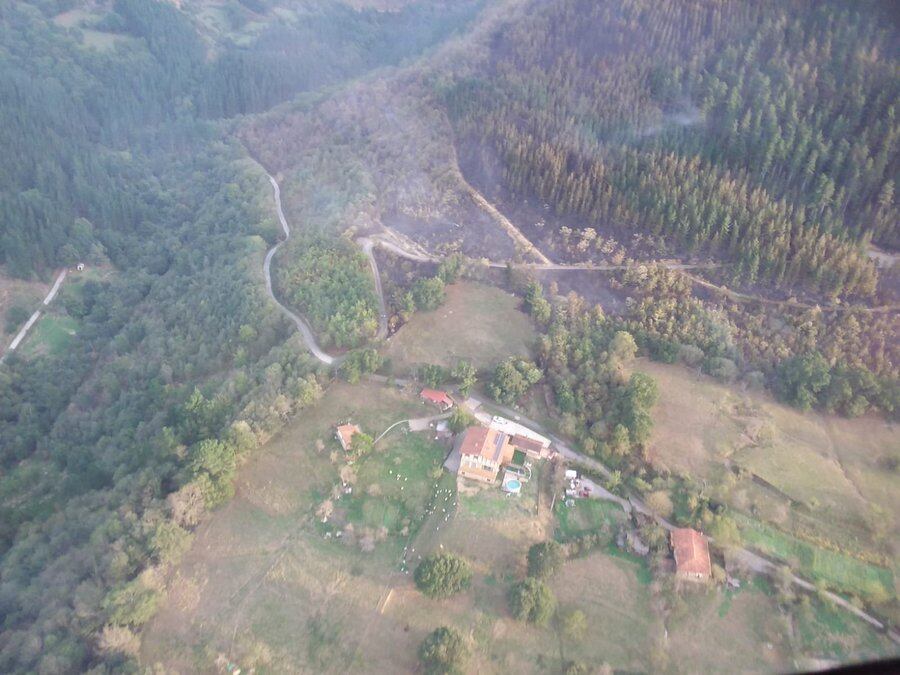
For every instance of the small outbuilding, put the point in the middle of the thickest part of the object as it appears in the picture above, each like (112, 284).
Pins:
(345, 433)
(439, 398)
(691, 554)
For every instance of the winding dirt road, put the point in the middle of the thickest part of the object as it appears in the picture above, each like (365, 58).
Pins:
(397, 246)
(302, 326)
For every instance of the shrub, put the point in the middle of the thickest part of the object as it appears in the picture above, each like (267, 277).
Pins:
(532, 601)
(574, 625)
(440, 576)
(443, 651)
(660, 503)
(460, 420)
(544, 559)
(428, 294)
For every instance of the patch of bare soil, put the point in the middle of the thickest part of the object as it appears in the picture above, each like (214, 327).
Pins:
(469, 230)
(593, 286)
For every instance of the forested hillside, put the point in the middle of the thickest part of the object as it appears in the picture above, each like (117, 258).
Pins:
(113, 149)
(69, 122)
(764, 134)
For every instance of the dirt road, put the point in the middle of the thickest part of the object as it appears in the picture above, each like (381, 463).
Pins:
(367, 246)
(37, 315)
(302, 326)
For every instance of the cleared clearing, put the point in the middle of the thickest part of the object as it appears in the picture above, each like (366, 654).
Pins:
(261, 585)
(817, 490)
(479, 323)
(52, 335)
(835, 467)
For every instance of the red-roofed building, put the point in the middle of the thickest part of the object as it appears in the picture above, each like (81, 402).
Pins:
(345, 433)
(482, 453)
(439, 398)
(691, 554)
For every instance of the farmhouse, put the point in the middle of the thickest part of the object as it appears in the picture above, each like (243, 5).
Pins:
(440, 398)
(482, 453)
(691, 554)
(530, 442)
(345, 434)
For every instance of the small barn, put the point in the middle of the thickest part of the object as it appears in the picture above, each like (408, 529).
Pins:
(345, 433)
(439, 398)
(691, 552)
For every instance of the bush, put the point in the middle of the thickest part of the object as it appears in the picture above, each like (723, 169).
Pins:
(544, 559)
(575, 668)
(440, 576)
(574, 625)
(460, 420)
(722, 369)
(532, 601)
(660, 503)
(443, 651)
(428, 294)
(433, 375)
(690, 355)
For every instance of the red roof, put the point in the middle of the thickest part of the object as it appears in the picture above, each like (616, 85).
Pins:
(527, 444)
(473, 441)
(441, 398)
(691, 552)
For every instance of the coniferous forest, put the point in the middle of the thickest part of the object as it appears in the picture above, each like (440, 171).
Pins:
(762, 134)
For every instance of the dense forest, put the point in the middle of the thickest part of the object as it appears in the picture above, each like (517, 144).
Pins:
(855, 351)
(69, 121)
(763, 134)
(113, 449)
(328, 279)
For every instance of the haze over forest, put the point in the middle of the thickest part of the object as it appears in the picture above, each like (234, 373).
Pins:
(660, 235)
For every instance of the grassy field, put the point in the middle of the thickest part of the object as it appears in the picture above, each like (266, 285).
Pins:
(586, 515)
(260, 583)
(835, 569)
(395, 485)
(820, 477)
(52, 334)
(479, 323)
(263, 586)
(84, 21)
